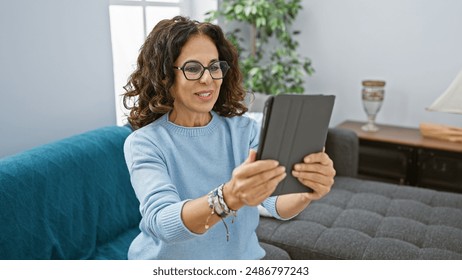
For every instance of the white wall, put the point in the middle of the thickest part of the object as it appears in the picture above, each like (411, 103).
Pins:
(56, 76)
(415, 45)
(55, 71)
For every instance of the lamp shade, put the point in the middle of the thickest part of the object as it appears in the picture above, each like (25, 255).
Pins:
(451, 100)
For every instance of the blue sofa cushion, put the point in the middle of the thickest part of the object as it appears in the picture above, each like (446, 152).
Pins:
(69, 199)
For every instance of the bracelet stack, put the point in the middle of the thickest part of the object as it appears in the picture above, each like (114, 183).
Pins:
(218, 206)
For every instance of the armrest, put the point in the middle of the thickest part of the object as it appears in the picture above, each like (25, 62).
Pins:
(342, 146)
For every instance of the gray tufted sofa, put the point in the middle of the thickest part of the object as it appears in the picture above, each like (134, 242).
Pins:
(361, 219)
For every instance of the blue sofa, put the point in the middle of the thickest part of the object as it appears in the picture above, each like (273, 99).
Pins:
(72, 199)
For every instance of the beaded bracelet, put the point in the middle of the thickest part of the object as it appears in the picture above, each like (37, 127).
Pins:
(218, 206)
(226, 209)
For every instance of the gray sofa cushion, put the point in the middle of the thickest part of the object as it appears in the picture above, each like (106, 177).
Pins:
(371, 220)
(274, 253)
(342, 146)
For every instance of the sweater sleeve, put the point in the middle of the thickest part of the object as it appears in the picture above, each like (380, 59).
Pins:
(270, 205)
(160, 203)
(254, 135)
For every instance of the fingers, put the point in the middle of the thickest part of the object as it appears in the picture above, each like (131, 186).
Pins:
(252, 156)
(247, 192)
(254, 181)
(251, 168)
(319, 190)
(321, 157)
(264, 177)
(257, 182)
(318, 162)
(317, 172)
(319, 183)
(326, 170)
(255, 196)
(314, 177)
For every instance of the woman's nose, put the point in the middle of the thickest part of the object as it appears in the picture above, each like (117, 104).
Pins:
(206, 77)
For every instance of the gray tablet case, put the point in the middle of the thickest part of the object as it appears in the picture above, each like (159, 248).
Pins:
(294, 126)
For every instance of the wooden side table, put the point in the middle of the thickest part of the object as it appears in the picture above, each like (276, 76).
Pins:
(402, 155)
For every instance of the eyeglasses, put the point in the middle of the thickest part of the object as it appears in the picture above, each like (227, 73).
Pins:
(193, 70)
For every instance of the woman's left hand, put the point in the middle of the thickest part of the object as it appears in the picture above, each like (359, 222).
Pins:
(316, 172)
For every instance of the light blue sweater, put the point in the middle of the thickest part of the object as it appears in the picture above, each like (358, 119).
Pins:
(170, 164)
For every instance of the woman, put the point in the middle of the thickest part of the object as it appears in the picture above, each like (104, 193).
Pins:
(192, 155)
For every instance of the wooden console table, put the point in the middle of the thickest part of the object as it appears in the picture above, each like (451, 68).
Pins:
(402, 155)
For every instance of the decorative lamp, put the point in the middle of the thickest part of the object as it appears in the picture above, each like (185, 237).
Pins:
(449, 102)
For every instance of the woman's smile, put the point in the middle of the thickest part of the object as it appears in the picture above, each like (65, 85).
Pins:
(205, 95)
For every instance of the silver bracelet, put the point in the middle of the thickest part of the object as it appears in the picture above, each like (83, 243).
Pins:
(218, 206)
(226, 209)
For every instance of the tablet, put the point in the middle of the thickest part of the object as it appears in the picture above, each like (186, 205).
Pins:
(294, 126)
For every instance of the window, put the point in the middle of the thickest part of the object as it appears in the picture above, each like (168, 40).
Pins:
(131, 21)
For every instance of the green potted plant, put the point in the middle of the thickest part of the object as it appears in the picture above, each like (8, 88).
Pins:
(268, 57)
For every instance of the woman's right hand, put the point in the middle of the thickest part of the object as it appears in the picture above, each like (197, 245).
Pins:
(252, 182)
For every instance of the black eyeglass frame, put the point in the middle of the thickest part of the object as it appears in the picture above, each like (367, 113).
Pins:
(221, 63)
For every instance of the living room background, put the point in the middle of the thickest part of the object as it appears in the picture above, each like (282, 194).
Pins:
(57, 76)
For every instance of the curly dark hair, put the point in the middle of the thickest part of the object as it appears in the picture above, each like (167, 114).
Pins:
(148, 89)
